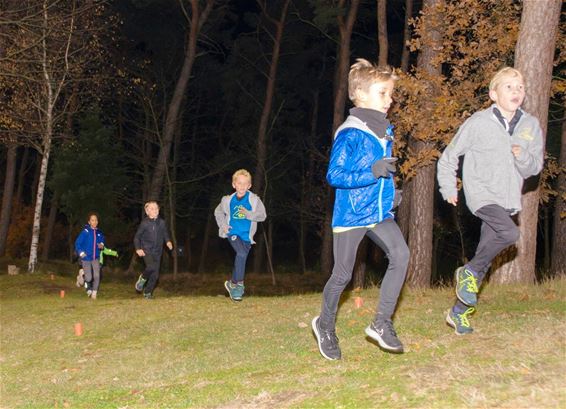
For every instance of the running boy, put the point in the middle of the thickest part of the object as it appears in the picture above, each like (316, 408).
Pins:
(88, 245)
(361, 169)
(237, 216)
(148, 241)
(501, 145)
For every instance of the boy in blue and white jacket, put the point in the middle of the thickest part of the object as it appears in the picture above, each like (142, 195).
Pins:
(88, 245)
(361, 169)
(237, 216)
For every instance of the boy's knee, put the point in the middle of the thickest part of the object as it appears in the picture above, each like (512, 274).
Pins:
(511, 236)
(400, 253)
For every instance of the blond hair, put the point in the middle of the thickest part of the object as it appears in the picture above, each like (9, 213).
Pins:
(147, 204)
(241, 172)
(363, 74)
(504, 72)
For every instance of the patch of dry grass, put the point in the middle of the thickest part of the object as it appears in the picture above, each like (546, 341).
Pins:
(181, 350)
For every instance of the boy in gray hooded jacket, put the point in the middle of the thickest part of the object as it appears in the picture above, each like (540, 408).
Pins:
(502, 146)
(237, 216)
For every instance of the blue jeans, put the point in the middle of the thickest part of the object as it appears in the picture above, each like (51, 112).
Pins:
(242, 249)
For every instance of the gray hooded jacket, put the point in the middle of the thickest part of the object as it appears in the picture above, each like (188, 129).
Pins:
(222, 214)
(491, 174)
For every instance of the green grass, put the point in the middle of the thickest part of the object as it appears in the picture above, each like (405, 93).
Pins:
(181, 350)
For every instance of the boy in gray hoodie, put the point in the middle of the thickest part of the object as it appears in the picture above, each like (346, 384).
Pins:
(502, 145)
(237, 216)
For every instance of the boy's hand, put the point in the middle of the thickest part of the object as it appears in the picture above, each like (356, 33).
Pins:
(169, 245)
(227, 229)
(140, 253)
(100, 246)
(244, 211)
(516, 150)
(383, 168)
(82, 254)
(453, 200)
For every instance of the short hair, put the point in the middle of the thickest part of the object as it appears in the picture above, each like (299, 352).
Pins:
(150, 203)
(241, 172)
(504, 72)
(90, 214)
(363, 74)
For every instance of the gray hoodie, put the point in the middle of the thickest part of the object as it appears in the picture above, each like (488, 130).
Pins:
(222, 214)
(491, 174)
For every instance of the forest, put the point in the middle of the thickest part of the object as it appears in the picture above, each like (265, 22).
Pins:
(105, 105)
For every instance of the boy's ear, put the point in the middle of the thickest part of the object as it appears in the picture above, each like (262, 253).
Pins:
(493, 95)
(360, 95)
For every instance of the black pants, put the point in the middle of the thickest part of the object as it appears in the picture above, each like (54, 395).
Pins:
(498, 231)
(390, 239)
(151, 272)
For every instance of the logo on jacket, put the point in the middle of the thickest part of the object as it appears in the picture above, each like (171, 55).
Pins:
(526, 134)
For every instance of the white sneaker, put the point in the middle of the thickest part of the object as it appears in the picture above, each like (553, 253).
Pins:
(93, 295)
(89, 293)
(80, 278)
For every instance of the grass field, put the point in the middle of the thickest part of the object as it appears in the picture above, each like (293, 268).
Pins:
(182, 350)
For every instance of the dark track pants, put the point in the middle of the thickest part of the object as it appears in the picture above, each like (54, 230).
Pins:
(390, 239)
(151, 272)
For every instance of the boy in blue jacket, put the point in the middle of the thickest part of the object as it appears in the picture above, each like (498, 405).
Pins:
(360, 170)
(88, 245)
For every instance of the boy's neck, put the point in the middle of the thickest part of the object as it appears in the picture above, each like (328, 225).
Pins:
(238, 195)
(506, 114)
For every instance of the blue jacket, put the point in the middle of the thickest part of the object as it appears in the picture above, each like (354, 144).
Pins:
(87, 242)
(361, 198)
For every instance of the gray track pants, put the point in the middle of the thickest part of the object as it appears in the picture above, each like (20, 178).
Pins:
(390, 239)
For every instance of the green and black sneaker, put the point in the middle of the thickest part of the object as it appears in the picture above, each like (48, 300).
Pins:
(460, 322)
(140, 283)
(466, 286)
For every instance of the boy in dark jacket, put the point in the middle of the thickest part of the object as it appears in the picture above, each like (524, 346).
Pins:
(148, 241)
(360, 170)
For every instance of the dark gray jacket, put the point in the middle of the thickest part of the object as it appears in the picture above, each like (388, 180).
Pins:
(151, 235)
(491, 174)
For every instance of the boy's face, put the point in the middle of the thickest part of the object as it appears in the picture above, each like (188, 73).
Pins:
(152, 211)
(379, 96)
(93, 221)
(241, 184)
(509, 95)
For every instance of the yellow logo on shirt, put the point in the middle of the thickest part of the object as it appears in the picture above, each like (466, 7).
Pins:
(238, 214)
(526, 134)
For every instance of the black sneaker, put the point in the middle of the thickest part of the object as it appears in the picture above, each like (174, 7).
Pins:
(383, 332)
(327, 341)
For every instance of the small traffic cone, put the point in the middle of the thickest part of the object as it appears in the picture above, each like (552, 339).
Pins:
(358, 302)
(78, 329)
(62, 293)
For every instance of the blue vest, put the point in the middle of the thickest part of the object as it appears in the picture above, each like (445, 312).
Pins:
(240, 225)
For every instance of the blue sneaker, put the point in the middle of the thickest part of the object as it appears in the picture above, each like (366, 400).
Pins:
(236, 291)
(460, 322)
(140, 283)
(466, 286)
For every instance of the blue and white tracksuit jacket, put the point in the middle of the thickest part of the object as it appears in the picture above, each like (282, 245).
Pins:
(362, 200)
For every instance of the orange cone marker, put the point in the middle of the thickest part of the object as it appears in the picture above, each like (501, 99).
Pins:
(78, 329)
(62, 293)
(358, 301)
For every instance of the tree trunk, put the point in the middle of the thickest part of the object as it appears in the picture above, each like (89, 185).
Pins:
(406, 54)
(260, 176)
(534, 55)
(382, 39)
(420, 233)
(21, 177)
(345, 26)
(8, 194)
(558, 258)
(422, 210)
(50, 226)
(205, 240)
(195, 25)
